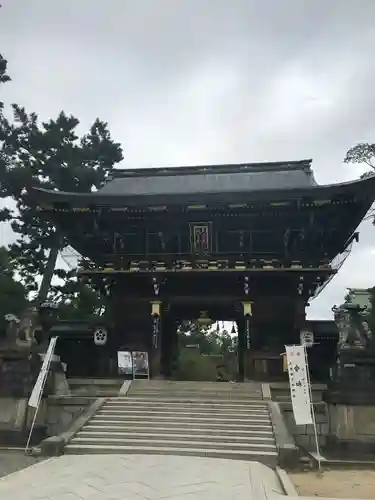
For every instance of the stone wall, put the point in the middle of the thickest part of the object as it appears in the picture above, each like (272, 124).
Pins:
(352, 428)
(280, 391)
(15, 420)
(59, 412)
(12, 412)
(304, 434)
(55, 415)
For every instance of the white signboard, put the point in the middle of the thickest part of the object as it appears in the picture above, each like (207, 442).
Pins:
(39, 384)
(299, 384)
(125, 363)
(140, 364)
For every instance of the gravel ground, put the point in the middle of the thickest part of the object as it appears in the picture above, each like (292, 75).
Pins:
(12, 461)
(354, 484)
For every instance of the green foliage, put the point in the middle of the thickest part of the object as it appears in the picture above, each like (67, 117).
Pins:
(209, 340)
(12, 293)
(362, 153)
(371, 315)
(4, 77)
(193, 366)
(48, 154)
(78, 302)
(214, 348)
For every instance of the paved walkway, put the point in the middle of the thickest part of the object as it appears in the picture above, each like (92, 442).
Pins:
(140, 477)
(12, 461)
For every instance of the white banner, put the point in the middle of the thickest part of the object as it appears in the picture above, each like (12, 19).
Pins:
(40, 381)
(299, 384)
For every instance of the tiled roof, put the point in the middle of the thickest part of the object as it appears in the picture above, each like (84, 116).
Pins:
(210, 179)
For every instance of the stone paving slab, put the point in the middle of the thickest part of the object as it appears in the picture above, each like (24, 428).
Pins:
(14, 460)
(139, 477)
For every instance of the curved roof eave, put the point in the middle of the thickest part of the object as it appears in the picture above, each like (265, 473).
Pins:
(364, 186)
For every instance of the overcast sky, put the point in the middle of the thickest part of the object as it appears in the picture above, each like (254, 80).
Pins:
(186, 82)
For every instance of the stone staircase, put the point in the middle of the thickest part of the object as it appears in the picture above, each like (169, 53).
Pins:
(220, 420)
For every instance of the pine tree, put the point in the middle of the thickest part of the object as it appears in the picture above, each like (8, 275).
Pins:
(4, 78)
(50, 155)
(12, 293)
(364, 153)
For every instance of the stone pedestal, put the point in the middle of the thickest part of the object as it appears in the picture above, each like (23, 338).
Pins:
(19, 370)
(353, 379)
(350, 397)
(352, 429)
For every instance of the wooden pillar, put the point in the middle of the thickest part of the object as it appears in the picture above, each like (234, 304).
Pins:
(168, 344)
(247, 313)
(241, 350)
(299, 319)
(155, 354)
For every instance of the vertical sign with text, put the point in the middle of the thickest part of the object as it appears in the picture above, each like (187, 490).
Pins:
(299, 384)
(39, 384)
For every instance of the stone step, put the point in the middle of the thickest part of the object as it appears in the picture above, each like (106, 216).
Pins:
(113, 403)
(161, 423)
(266, 457)
(197, 394)
(95, 381)
(94, 393)
(147, 386)
(261, 432)
(167, 436)
(130, 410)
(194, 399)
(197, 400)
(199, 385)
(187, 390)
(186, 410)
(159, 416)
(176, 443)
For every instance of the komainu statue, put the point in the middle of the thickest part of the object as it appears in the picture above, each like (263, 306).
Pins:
(352, 378)
(11, 332)
(20, 332)
(354, 331)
